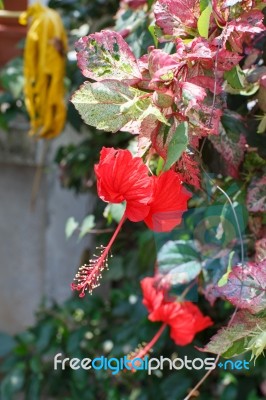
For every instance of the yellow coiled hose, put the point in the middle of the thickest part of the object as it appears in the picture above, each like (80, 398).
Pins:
(44, 70)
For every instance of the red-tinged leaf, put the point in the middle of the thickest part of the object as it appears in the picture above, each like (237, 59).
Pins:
(192, 94)
(260, 247)
(226, 60)
(177, 17)
(132, 127)
(256, 226)
(161, 137)
(232, 149)
(243, 325)
(189, 170)
(220, 12)
(239, 30)
(134, 4)
(105, 55)
(210, 293)
(206, 121)
(158, 59)
(206, 82)
(147, 128)
(199, 50)
(249, 22)
(246, 287)
(256, 197)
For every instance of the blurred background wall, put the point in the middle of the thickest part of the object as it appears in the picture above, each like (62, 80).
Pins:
(36, 260)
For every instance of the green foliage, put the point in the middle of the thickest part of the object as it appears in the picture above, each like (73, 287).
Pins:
(179, 261)
(233, 339)
(87, 225)
(235, 78)
(84, 228)
(71, 226)
(177, 145)
(67, 329)
(204, 21)
(11, 99)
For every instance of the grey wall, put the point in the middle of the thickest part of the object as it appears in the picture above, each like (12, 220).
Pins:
(36, 261)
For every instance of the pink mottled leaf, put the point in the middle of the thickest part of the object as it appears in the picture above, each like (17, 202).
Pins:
(232, 149)
(256, 197)
(162, 67)
(192, 94)
(239, 29)
(206, 82)
(246, 287)
(159, 59)
(227, 60)
(147, 128)
(260, 247)
(105, 55)
(230, 341)
(200, 51)
(189, 170)
(251, 22)
(177, 17)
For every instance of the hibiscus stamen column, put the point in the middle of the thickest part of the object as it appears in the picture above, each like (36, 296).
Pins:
(89, 275)
(143, 351)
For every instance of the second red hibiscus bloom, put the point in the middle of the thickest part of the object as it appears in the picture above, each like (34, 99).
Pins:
(184, 318)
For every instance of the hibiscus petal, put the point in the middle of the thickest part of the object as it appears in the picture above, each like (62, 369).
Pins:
(168, 203)
(184, 327)
(120, 176)
(152, 298)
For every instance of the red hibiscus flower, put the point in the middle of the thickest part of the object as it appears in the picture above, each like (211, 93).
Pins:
(190, 321)
(184, 318)
(158, 200)
(122, 177)
(153, 298)
(168, 203)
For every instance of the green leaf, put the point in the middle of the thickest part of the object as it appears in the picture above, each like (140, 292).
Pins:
(1, 5)
(109, 105)
(152, 30)
(71, 226)
(229, 341)
(204, 21)
(7, 343)
(224, 278)
(87, 225)
(114, 212)
(46, 333)
(235, 349)
(179, 261)
(203, 5)
(13, 382)
(262, 124)
(33, 387)
(235, 77)
(177, 145)
(159, 165)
